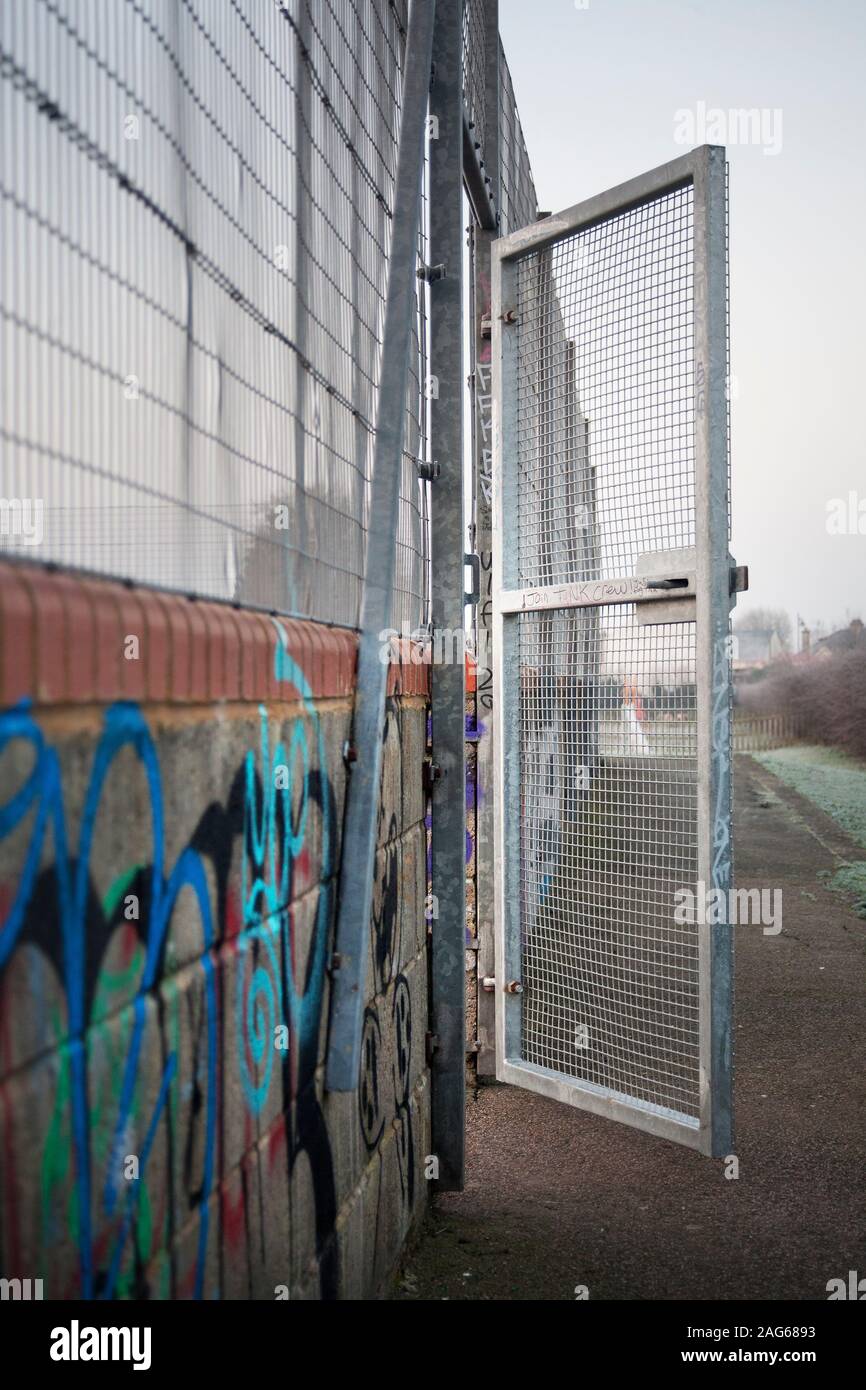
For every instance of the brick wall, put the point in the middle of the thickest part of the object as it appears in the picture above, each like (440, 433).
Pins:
(172, 783)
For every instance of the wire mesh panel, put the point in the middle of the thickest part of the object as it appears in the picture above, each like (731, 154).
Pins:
(474, 59)
(608, 834)
(196, 211)
(605, 623)
(518, 202)
(605, 331)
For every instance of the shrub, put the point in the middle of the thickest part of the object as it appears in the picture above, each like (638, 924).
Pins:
(826, 697)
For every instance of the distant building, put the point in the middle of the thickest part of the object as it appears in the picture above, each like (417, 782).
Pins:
(847, 639)
(756, 647)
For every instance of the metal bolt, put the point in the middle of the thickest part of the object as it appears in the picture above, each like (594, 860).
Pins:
(514, 987)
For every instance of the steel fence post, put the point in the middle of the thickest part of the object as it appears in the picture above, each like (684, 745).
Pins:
(448, 537)
(358, 856)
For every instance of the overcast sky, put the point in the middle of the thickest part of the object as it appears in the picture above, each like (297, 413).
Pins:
(599, 89)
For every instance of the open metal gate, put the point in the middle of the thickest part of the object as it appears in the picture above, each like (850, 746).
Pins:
(612, 594)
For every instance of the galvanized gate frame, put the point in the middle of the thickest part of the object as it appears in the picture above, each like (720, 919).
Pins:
(705, 169)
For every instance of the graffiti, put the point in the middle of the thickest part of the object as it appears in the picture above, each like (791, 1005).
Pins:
(721, 754)
(374, 1115)
(154, 991)
(402, 1021)
(56, 910)
(386, 912)
(369, 1095)
(484, 675)
(484, 490)
(484, 403)
(64, 895)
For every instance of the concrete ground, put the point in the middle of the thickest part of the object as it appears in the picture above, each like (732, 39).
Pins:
(556, 1198)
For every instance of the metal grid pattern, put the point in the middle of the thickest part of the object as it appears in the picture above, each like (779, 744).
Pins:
(195, 208)
(517, 197)
(474, 61)
(606, 705)
(608, 834)
(730, 379)
(606, 317)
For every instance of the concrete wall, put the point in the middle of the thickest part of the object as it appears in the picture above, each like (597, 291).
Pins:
(170, 814)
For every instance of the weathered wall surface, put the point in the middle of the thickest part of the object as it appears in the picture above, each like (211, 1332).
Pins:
(169, 845)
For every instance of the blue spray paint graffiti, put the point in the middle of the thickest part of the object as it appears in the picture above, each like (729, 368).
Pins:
(260, 814)
(42, 792)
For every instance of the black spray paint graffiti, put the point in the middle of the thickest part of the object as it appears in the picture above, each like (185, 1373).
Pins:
(41, 918)
(386, 912)
(371, 1090)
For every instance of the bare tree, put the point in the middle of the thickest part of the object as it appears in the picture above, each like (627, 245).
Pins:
(766, 620)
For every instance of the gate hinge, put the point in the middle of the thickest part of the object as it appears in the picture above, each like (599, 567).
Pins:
(428, 472)
(431, 1044)
(486, 329)
(432, 272)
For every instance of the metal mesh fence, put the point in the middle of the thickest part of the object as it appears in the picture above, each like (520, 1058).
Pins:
(609, 779)
(196, 210)
(607, 703)
(606, 321)
(474, 60)
(517, 198)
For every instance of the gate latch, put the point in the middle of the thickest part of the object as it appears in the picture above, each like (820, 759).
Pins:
(672, 573)
(739, 579)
